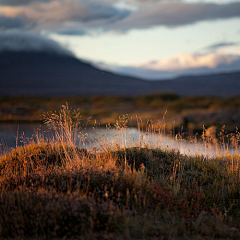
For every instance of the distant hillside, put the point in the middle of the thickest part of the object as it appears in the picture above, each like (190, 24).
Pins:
(31, 73)
(219, 85)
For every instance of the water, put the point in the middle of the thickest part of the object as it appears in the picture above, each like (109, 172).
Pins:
(12, 135)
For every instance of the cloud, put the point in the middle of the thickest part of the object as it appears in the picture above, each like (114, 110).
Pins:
(6, 23)
(20, 2)
(73, 32)
(173, 14)
(54, 13)
(106, 15)
(180, 65)
(189, 61)
(17, 40)
(222, 44)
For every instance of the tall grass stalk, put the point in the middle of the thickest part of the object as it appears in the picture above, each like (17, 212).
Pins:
(55, 189)
(66, 127)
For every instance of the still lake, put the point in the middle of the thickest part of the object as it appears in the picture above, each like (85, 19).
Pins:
(12, 135)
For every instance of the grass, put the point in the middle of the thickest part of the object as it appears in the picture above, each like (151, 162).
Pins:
(190, 112)
(51, 189)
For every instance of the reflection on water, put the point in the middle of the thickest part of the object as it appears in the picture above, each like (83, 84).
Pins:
(13, 135)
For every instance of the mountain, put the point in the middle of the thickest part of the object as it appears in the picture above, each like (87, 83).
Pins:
(32, 73)
(219, 85)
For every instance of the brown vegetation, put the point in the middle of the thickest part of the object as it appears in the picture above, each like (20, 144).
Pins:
(50, 189)
(191, 113)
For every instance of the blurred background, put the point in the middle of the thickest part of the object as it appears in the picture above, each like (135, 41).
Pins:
(171, 62)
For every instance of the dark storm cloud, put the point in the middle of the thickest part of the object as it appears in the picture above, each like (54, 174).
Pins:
(19, 40)
(6, 23)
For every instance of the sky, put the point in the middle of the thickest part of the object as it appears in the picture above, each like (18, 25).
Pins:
(149, 39)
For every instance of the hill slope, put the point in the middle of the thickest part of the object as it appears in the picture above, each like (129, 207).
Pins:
(31, 73)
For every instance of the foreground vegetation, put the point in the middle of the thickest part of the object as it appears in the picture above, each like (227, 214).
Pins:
(189, 112)
(55, 190)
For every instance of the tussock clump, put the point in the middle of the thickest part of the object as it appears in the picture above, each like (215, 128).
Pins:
(30, 157)
(49, 214)
(58, 198)
(155, 161)
(56, 190)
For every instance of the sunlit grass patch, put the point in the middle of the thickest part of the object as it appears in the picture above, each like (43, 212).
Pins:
(54, 189)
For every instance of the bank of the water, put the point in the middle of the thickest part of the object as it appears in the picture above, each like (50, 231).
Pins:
(102, 138)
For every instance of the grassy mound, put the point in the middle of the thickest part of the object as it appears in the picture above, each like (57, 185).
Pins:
(60, 191)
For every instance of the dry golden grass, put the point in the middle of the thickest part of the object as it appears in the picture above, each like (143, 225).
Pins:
(51, 189)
